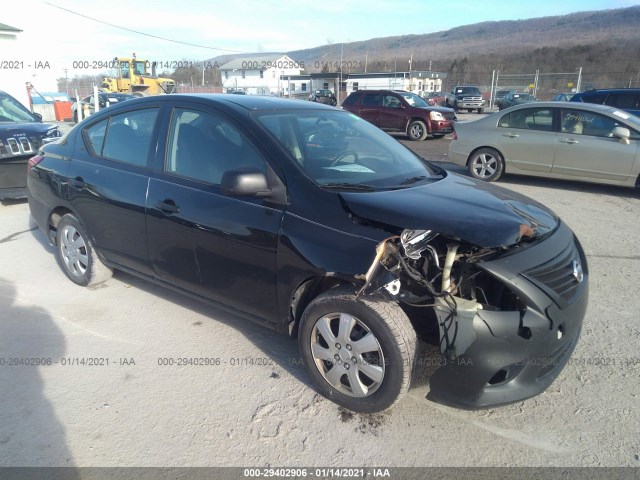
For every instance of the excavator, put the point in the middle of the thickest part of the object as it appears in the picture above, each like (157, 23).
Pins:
(133, 77)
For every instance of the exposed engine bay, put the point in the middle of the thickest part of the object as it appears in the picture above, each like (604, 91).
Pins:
(422, 269)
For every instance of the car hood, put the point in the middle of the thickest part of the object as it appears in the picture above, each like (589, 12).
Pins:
(12, 129)
(436, 109)
(457, 207)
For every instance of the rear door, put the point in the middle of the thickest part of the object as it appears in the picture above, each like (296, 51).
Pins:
(370, 108)
(587, 148)
(221, 247)
(528, 138)
(108, 182)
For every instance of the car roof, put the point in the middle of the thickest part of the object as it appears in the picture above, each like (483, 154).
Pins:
(237, 102)
(610, 90)
(594, 107)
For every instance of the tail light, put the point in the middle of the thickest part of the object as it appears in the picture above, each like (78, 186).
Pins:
(33, 161)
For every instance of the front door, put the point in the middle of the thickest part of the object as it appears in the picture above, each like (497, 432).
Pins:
(221, 247)
(587, 147)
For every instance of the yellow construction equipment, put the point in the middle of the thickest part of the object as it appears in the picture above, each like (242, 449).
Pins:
(133, 77)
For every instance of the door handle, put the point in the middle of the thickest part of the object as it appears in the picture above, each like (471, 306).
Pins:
(168, 206)
(77, 183)
(570, 141)
(511, 135)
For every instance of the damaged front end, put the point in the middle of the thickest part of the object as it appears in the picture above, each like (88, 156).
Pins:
(507, 317)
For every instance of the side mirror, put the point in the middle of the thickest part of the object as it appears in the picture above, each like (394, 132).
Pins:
(38, 117)
(245, 182)
(622, 133)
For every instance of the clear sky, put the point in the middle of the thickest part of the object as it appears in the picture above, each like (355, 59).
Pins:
(51, 34)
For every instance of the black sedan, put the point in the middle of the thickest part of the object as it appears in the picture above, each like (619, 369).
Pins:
(311, 221)
(324, 96)
(517, 98)
(21, 134)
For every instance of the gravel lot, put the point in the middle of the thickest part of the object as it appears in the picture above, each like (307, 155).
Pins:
(256, 407)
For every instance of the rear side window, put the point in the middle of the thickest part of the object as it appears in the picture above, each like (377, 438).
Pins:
(374, 100)
(531, 119)
(625, 101)
(350, 100)
(125, 137)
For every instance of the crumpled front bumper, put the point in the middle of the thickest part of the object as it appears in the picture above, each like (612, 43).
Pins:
(517, 355)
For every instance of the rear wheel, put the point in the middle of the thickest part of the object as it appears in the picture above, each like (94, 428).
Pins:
(417, 130)
(358, 351)
(486, 164)
(76, 254)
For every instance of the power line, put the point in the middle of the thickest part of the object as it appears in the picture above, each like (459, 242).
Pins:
(143, 33)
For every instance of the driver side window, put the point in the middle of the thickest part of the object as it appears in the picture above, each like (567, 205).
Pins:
(203, 146)
(391, 101)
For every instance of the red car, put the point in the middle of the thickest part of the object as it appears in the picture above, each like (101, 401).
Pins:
(401, 112)
(442, 99)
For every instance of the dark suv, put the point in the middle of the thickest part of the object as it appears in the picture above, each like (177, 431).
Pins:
(399, 111)
(21, 134)
(324, 96)
(627, 99)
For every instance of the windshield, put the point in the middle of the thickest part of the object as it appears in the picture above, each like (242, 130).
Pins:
(12, 111)
(413, 99)
(340, 150)
(467, 91)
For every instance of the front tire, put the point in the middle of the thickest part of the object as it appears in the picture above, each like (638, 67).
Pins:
(486, 164)
(417, 130)
(76, 255)
(358, 351)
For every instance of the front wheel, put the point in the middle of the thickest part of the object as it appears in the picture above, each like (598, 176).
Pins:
(359, 351)
(481, 111)
(76, 254)
(486, 164)
(417, 130)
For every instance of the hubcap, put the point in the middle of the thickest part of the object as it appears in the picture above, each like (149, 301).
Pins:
(74, 251)
(416, 131)
(347, 354)
(484, 165)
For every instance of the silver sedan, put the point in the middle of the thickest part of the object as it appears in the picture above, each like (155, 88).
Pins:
(571, 141)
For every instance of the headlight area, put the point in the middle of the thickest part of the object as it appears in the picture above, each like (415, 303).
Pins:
(436, 116)
(500, 343)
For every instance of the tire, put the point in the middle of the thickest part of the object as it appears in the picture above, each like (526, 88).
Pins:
(379, 371)
(486, 164)
(470, 110)
(481, 111)
(75, 116)
(417, 130)
(76, 255)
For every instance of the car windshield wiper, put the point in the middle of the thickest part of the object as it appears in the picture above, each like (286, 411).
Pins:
(413, 180)
(349, 186)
